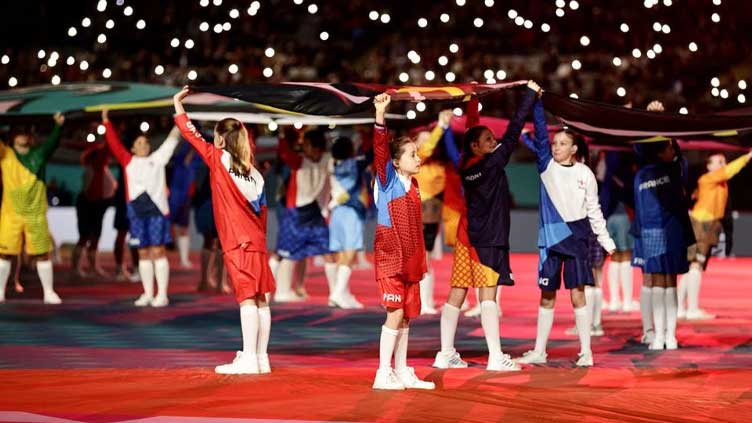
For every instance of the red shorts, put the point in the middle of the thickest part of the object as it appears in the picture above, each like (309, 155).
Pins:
(249, 272)
(396, 293)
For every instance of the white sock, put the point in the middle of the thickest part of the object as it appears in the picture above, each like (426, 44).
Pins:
(426, 290)
(646, 309)
(489, 320)
(545, 321)
(146, 273)
(386, 347)
(5, 266)
(249, 327)
(613, 282)
(693, 290)
(44, 270)
(274, 266)
(590, 301)
(659, 311)
(450, 315)
(184, 248)
(400, 350)
(498, 298)
(681, 290)
(284, 277)
(330, 270)
(625, 274)
(670, 302)
(583, 323)
(162, 273)
(597, 306)
(264, 329)
(342, 281)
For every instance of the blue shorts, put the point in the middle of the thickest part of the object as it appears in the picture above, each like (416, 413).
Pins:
(297, 240)
(345, 229)
(577, 272)
(180, 214)
(618, 228)
(148, 231)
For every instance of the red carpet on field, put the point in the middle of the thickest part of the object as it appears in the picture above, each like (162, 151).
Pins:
(96, 358)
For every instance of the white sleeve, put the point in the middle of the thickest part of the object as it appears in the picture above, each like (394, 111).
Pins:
(593, 208)
(164, 152)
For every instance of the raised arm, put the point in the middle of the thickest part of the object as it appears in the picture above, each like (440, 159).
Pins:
(427, 148)
(382, 158)
(53, 140)
(451, 148)
(727, 172)
(188, 130)
(593, 207)
(122, 155)
(164, 152)
(541, 144)
(508, 141)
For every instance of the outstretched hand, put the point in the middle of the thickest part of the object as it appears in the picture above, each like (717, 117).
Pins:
(105, 115)
(381, 102)
(182, 94)
(655, 106)
(445, 118)
(534, 86)
(59, 118)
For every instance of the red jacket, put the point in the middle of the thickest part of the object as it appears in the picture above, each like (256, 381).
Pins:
(240, 218)
(399, 250)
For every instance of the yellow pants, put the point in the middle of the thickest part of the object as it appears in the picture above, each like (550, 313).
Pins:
(14, 229)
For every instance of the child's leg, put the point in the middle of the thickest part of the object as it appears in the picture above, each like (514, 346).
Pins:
(162, 275)
(582, 317)
(264, 331)
(489, 319)
(146, 272)
(646, 308)
(450, 314)
(389, 332)
(330, 271)
(400, 349)
(545, 320)
(670, 301)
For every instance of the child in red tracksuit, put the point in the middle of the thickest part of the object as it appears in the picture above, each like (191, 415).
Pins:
(400, 253)
(240, 215)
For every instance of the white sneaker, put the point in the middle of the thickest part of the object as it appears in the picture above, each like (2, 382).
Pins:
(286, 298)
(585, 359)
(671, 344)
(659, 343)
(449, 361)
(473, 312)
(503, 364)
(597, 330)
(699, 314)
(387, 379)
(681, 313)
(628, 307)
(263, 364)
(648, 337)
(427, 310)
(614, 306)
(243, 364)
(353, 302)
(52, 298)
(410, 381)
(160, 302)
(571, 331)
(532, 357)
(143, 301)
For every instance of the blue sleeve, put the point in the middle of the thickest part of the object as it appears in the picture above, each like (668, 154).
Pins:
(541, 142)
(508, 142)
(451, 147)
